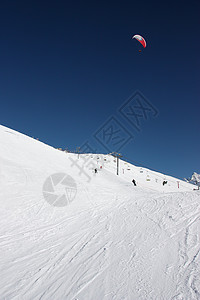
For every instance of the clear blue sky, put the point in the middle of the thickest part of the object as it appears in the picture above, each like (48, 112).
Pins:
(68, 66)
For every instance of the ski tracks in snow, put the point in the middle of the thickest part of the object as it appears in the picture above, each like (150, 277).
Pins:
(130, 246)
(188, 286)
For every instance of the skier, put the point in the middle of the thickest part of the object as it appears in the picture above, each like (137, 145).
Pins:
(95, 170)
(164, 182)
(133, 181)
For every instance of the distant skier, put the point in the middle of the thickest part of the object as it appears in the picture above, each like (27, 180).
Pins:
(164, 182)
(95, 170)
(133, 181)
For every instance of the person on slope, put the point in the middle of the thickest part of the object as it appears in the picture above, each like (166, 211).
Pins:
(133, 181)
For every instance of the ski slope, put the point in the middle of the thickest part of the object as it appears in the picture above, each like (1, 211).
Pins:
(104, 239)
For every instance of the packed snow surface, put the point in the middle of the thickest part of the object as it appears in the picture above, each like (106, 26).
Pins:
(68, 233)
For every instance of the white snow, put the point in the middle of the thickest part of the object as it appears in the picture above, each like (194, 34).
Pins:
(195, 178)
(102, 237)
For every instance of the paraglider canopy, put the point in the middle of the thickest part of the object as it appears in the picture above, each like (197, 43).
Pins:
(140, 39)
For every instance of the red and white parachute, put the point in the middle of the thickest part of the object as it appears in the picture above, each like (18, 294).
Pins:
(140, 39)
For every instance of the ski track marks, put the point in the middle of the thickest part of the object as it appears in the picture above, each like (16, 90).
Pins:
(113, 242)
(108, 250)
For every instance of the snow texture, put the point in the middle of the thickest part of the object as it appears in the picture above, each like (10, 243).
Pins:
(68, 233)
(195, 178)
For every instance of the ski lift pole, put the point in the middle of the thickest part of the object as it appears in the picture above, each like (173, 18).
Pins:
(118, 156)
(78, 149)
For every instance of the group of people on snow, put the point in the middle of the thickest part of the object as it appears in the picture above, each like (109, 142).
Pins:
(133, 181)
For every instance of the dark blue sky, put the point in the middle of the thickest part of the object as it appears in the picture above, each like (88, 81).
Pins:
(67, 67)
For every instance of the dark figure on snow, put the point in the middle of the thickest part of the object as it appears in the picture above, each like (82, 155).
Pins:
(133, 181)
(164, 182)
(95, 170)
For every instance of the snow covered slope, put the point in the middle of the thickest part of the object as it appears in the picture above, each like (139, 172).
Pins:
(68, 233)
